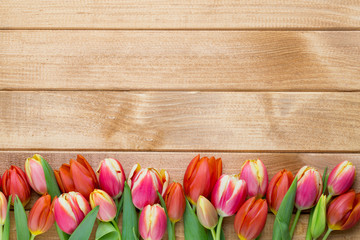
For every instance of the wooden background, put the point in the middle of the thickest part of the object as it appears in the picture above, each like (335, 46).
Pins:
(157, 82)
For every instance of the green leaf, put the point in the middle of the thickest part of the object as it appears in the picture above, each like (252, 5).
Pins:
(308, 232)
(83, 231)
(6, 232)
(324, 180)
(51, 183)
(283, 216)
(171, 233)
(192, 227)
(130, 216)
(106, 231)
(62, 235)
(22, 231)
(119, 206)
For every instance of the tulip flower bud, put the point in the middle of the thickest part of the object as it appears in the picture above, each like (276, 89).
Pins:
(251, 218)
(341, 178)
(107, 207)
(228, 195)
(41, 216)
(254, 173)
(35, 174)
(206, 213)
(111, 177)
(14, 183)
(78, 176)
(200, 177)
(278, 187)
(69, 210)
(3, 208)
(152, 222)
(318, 223)
(175, 201)
(309, 188)
(344, 211)
(144, 184)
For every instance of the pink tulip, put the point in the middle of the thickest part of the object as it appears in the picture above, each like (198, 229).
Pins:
(309, 188)
(69, 210)
(3, 208)
(152, 222)
(111, 177)
(341, 178)
(228, 195)
(107, 207)
(255, 175)
(144, 184)
(35, 174)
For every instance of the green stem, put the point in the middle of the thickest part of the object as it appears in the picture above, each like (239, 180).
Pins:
(293, 226)
(213, 233)
(1, 232)
(218, 228)
(328, 198)
(32, 237)
(117, 228)
(173, 230)
(327, 234)
(308, 232)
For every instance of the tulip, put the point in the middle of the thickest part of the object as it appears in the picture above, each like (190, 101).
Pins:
(69, 210)
(35, 174)
(3, 209)
(200, 177)
(14, 184)
(341, 178)
(278, 187)
(107, 207)
(228, 195)
(175, 201)
(206, 213)
(77, 176)
(251, 218)
(144, 184)
(152, 222)
(111, 177)
(318, 222)
(41, 216)
(254, 173)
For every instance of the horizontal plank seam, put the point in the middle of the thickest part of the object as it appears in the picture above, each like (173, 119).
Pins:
(179, 90)
(184, 29)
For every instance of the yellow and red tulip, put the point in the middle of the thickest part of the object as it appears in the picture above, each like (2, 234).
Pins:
(77, 176)
(107, 207)
(3, 209)
(69, 210)
(251, 218)
(144, 184)
(200, 177)
(206, 213)
(152, 222)
(14, 183)
(175, 201)
(278, 187)
(254, 173)
(35, 174)
(41, 216)
(309, 188)
(111, 177)
(341, 178)
(228, 195)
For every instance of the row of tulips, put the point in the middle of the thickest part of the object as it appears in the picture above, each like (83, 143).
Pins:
(75, 195)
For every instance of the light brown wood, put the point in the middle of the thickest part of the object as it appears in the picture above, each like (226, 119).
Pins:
(211, 121)
(180, 60)
(180, 14)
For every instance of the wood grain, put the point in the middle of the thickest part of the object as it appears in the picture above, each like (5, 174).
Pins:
(213, 121)
(180, 60)
(181, 14)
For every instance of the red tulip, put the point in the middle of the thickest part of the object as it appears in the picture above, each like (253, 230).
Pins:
(344, 211)
(341, 178)
(200, 177)
(107, 207)
(14, 183)
(175, 201)
(41, 216)
(78, 176)
(111, 177)
(309, 188)
(278, 187)
(35, 174)
(152, 222)
(254, 173)
(251, 218)
(3, 208)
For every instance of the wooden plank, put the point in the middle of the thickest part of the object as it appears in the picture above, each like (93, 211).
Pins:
(213, 121)
(180, 60)
(181, 14)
